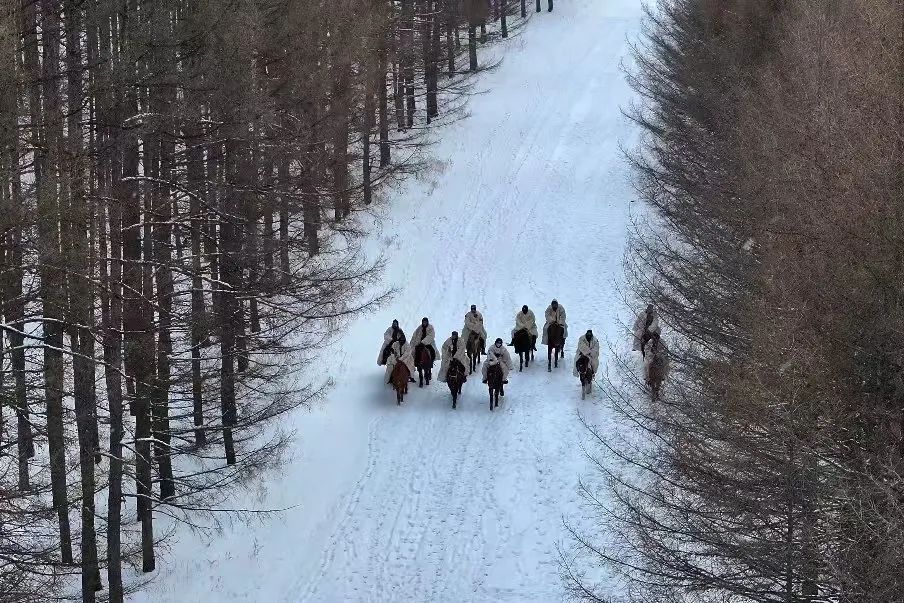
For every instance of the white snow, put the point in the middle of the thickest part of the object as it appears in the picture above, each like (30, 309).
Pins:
(423, 503)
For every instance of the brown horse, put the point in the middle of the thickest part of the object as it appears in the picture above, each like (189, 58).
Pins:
(555, 337)
(474, 345)
(585, 372)
(524, 348)
(455, 378)
(399, 380)
(494, 382)
(423, 362)
(656, 375)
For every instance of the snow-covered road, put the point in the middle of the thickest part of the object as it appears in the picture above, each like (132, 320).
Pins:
(423, 503)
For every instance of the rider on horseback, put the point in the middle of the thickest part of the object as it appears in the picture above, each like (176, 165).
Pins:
(454, 350)
(425, 335)
(399, 351)
(646, 324)
(526, 320)
(392, 334)
(474, 324)
(588, 347)
(555, 313)
(498, 354)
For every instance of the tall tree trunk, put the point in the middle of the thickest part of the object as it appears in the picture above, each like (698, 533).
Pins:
(81, 301)
(523, 9)
(451, 34)
(385, 156)
(46, 158)
(408, 61)
(139, 342)
(371, 82)
(504, 18)
(194, 170)
(230, 272)
(285, 186)
(472, 46)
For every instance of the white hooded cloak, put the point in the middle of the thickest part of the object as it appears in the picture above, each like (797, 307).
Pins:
(473, 322)
(387, 338)
(525, 321)
(639, 326)
(591, 350)
(461, 354)
(557, 315)
(418, 337)
(505, 359)
(398, 353)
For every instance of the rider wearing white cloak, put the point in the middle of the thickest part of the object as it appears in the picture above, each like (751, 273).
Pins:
(474, 323)
(399, 351)
(498, 354)
(454, 347)
(646, 324)
(555, 313)
(589, 346)
(393, 333)
(525, 319)
(424, 334)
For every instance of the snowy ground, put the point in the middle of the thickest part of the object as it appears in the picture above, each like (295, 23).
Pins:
(423, 503)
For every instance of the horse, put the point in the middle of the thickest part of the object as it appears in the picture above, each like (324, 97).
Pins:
(555, 336)
(494, 382)
(656, 375)
(524, 348)
(399, 380)
(455, 378)
(474, 345)
(423, 362)
(585, 372)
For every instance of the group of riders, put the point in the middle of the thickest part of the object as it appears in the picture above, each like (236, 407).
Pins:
(397, 348)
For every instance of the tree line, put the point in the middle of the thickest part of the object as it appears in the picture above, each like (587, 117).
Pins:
(772, 468)
(180, 183)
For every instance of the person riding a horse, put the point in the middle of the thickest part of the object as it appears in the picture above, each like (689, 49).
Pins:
(588, 347)
(655, 351)
(526, 320)
(474, 324)
(425, 335)
(498, 354)
(555, 313)
(399, 352)
(392, 334)
(454, 350)
(646, 324)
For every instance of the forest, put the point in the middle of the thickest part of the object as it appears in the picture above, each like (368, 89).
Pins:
(772, 467)
(181, 184)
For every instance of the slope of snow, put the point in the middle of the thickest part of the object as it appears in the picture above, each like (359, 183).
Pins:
(423, 503)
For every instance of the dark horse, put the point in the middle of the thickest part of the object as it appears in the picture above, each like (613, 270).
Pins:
(656, 375)
(473, 347)
(524, 348)
(423, 362)
(494, 381)
(455, 378)
(399, 380)
(585, 372)
(555, 337)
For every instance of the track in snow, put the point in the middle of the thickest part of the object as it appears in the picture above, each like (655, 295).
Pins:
(423, 503)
